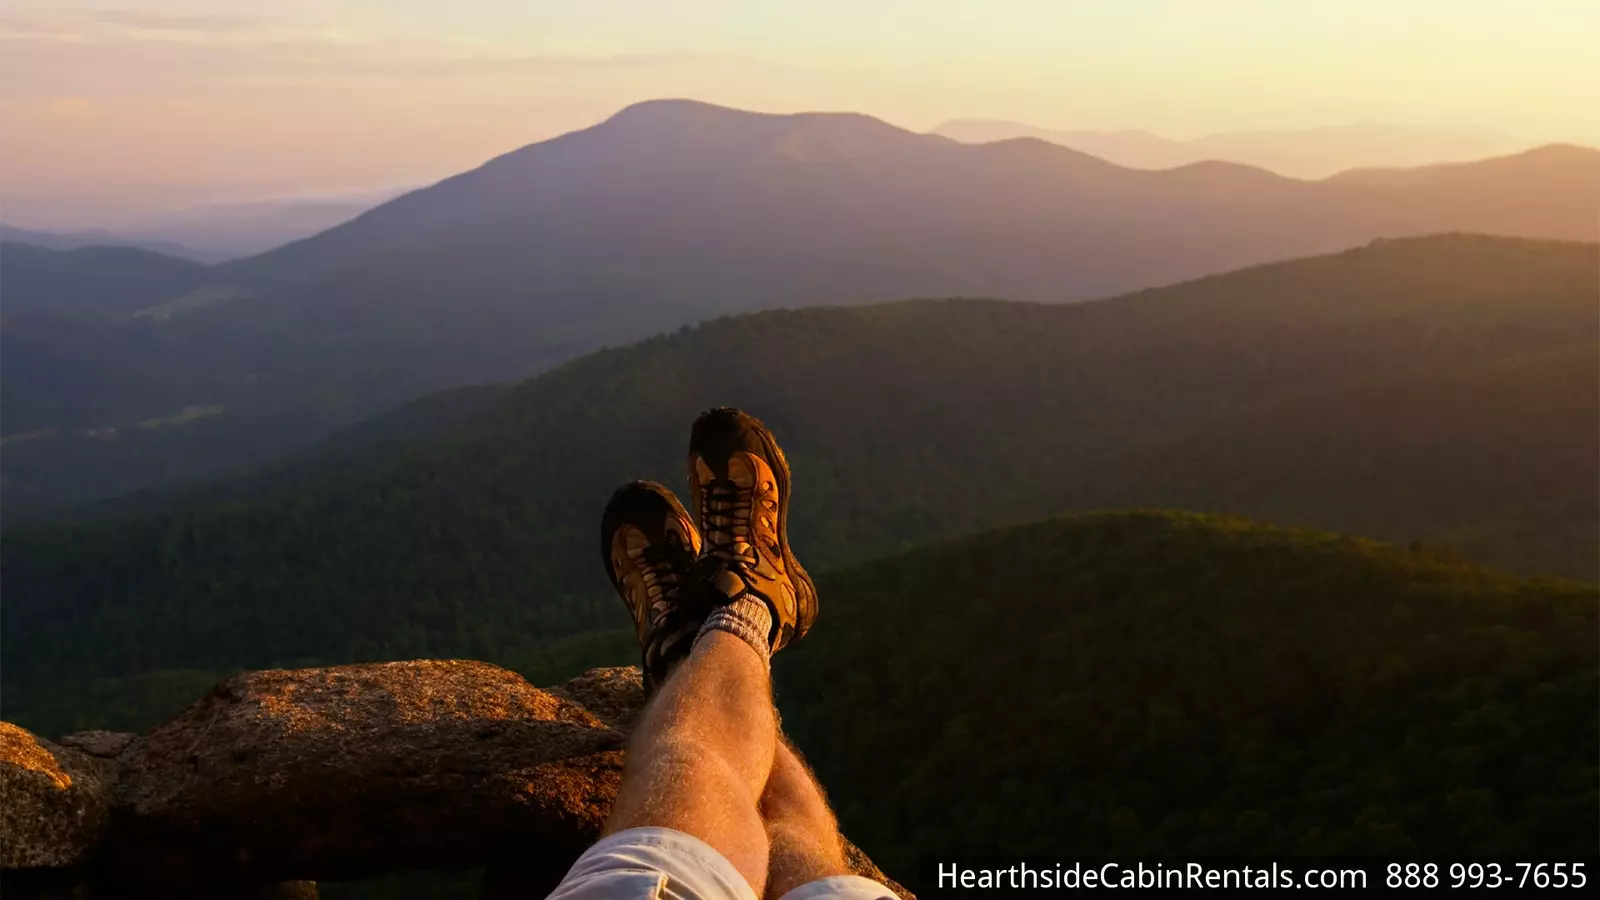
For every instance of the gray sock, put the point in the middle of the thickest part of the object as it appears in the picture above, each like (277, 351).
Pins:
(747, 619)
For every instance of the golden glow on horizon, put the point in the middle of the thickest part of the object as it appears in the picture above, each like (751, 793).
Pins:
(119, 106)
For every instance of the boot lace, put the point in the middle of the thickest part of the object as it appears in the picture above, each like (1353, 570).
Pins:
(725, 512)
(659, 570)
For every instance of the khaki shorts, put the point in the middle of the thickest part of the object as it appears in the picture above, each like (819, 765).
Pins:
(664, 864)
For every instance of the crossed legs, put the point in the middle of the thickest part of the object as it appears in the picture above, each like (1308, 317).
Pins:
(802, 835)
(713, 595)
(706, 759)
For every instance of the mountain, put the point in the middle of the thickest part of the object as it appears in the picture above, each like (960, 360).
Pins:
(1133, 149)
(104, 388)
(1159, 685)
(349, 449)
(1310, 153)
(91, 280)
(676, 182)
(1319, 152)
(671, 212)
(1542, 170)
(74, 350)
(1332, 451)
(212, 232)
(1270, 390)
(77, 240)
(232, 230)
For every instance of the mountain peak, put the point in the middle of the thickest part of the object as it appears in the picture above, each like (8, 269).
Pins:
(679, 111)
(665, 109)
(1560, 153)
(702, 125)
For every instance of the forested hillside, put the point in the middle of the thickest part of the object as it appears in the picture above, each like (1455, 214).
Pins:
(1161, 683)
(1510, 441)
(667, 213)
(1153, 684)
(72, 351)
(352, 449)
(903, 422)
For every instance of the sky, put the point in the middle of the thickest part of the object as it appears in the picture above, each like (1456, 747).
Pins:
(117, 108)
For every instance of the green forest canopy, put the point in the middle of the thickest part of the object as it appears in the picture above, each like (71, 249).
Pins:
(1158, 683)
(1168, 683)
(904, 422)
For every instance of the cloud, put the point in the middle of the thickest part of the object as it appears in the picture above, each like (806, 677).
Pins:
(35, 25)
(85, 25)
(437, 64)
(213, 23)
(153, 25)
(72, 108)
(143, 42)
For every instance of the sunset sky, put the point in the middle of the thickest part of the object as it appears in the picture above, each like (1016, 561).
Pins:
(110, 108)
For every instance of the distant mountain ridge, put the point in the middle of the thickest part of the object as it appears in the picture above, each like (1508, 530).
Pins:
(77, 240)
(212, 232)
(659, 172)
(666, 214)
(1312, 153)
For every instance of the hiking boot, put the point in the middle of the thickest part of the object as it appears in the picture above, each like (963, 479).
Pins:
(740, 485)
(649, 546)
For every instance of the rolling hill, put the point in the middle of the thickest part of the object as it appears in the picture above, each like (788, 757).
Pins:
(77, 240)
(1528, 508)
(1270, 390)
(1309, 153)
(212, 232)
(1158, 685)
(1174, 685)
(75, 354)
(233, 230)
(90, 281)
(350, 449)
(673, 211)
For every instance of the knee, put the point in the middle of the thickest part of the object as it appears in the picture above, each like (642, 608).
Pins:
(815, 841)
(793, 794)
(786, 800)
(800, 852)
(679, 761)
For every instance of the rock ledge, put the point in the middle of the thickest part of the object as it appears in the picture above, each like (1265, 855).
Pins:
(283, 777)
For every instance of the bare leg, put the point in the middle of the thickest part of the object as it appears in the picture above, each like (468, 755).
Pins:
(801, 829)
(700, 756)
